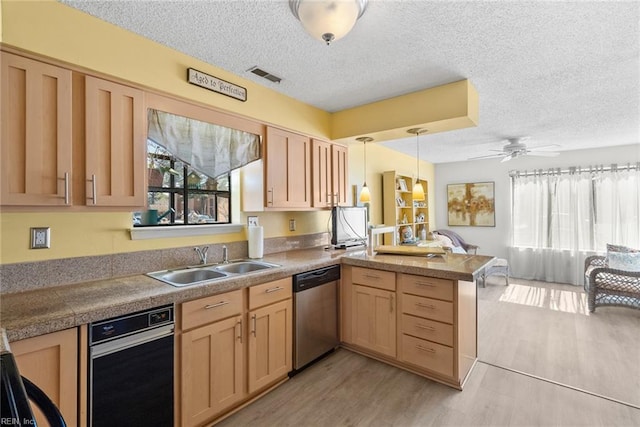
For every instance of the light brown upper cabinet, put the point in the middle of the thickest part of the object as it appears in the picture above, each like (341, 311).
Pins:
(340, 180)
(329, 169)
(288, 170)
(36, 133)
(115, 123)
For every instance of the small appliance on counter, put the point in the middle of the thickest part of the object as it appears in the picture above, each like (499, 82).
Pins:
(16, 391)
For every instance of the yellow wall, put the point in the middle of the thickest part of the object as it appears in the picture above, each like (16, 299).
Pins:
(381, 159)
(57, 31)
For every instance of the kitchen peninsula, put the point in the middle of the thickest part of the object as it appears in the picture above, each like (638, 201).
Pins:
(415, 313)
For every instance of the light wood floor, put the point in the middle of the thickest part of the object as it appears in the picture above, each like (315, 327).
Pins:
(546, 330)
(528, 326)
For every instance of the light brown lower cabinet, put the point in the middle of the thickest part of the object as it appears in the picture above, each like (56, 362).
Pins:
(232, 347)
(270, 344)
(51, 362)
(374, 319)
(424, 324)
(212, 366)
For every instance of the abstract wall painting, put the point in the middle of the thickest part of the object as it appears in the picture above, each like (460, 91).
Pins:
(471, 204)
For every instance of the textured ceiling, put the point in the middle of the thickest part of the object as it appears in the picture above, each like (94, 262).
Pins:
(560, 72)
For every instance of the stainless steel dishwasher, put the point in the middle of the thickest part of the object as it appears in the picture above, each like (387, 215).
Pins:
(315, 311)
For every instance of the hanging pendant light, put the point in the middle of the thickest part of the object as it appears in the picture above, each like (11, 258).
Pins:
(328, 20)
(365, 195)
(418, 190)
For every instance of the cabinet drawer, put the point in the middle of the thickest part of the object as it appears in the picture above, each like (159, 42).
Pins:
(428, 355)
(270, 292)
(428, 308)
(206, 310)
(374, 278)
(427, 329)
(426, 286)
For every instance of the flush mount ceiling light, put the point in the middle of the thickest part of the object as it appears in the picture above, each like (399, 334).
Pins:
(418, 190)
(365, 195)
(328, 20)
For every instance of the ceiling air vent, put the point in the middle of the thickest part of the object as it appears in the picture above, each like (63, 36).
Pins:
(262, 73)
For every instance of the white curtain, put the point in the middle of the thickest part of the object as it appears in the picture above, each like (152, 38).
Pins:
(560, 217)
(211, 149)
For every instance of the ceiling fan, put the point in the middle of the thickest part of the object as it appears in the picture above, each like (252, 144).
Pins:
(516, 147)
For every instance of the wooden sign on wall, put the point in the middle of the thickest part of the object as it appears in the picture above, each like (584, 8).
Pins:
(215, 84)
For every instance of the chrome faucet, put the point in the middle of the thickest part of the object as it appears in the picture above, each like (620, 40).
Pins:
(225, 255)
(202, 253)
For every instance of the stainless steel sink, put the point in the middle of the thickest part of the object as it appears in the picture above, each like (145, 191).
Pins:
(207, 273)
(242, 267)
(188, 276)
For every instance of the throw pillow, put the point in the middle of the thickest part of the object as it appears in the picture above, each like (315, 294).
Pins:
(444, 240)
(627, 261)
(620, 248)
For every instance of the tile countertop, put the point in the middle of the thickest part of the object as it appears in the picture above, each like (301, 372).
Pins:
(37, 312)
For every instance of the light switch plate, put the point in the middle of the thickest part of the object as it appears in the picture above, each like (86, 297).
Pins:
(40, 237)
(252, 221)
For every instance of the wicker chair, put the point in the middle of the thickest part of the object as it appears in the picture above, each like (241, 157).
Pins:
(608, 286)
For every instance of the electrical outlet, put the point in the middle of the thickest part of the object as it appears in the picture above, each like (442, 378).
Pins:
(40, 238)
(252, 221)
(292, 225)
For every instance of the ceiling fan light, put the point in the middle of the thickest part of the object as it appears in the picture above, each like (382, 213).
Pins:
(418, 192)
(328, 20)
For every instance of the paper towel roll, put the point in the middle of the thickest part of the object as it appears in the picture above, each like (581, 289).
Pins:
(256, 241)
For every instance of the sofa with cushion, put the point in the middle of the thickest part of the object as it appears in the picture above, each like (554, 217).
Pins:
(452, 241)
(614, 279)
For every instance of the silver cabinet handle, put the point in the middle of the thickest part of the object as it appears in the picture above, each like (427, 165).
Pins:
(220, 304)
(391, 303)
(430, 306)
(66, 188)
(94, 191)
(428, 350)
(270, 202)
(370, 276)
(253, 328)
(268, 291)
(240, 329)
(431, 285)
(428, 328)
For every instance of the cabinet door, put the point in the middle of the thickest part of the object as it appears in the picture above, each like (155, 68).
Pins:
(212, 369)
(373, 319)
(36, 132)
(51, 362)
(340, 174)
(321, 170)
(115, 145)
(270, 344)
(288, 170)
